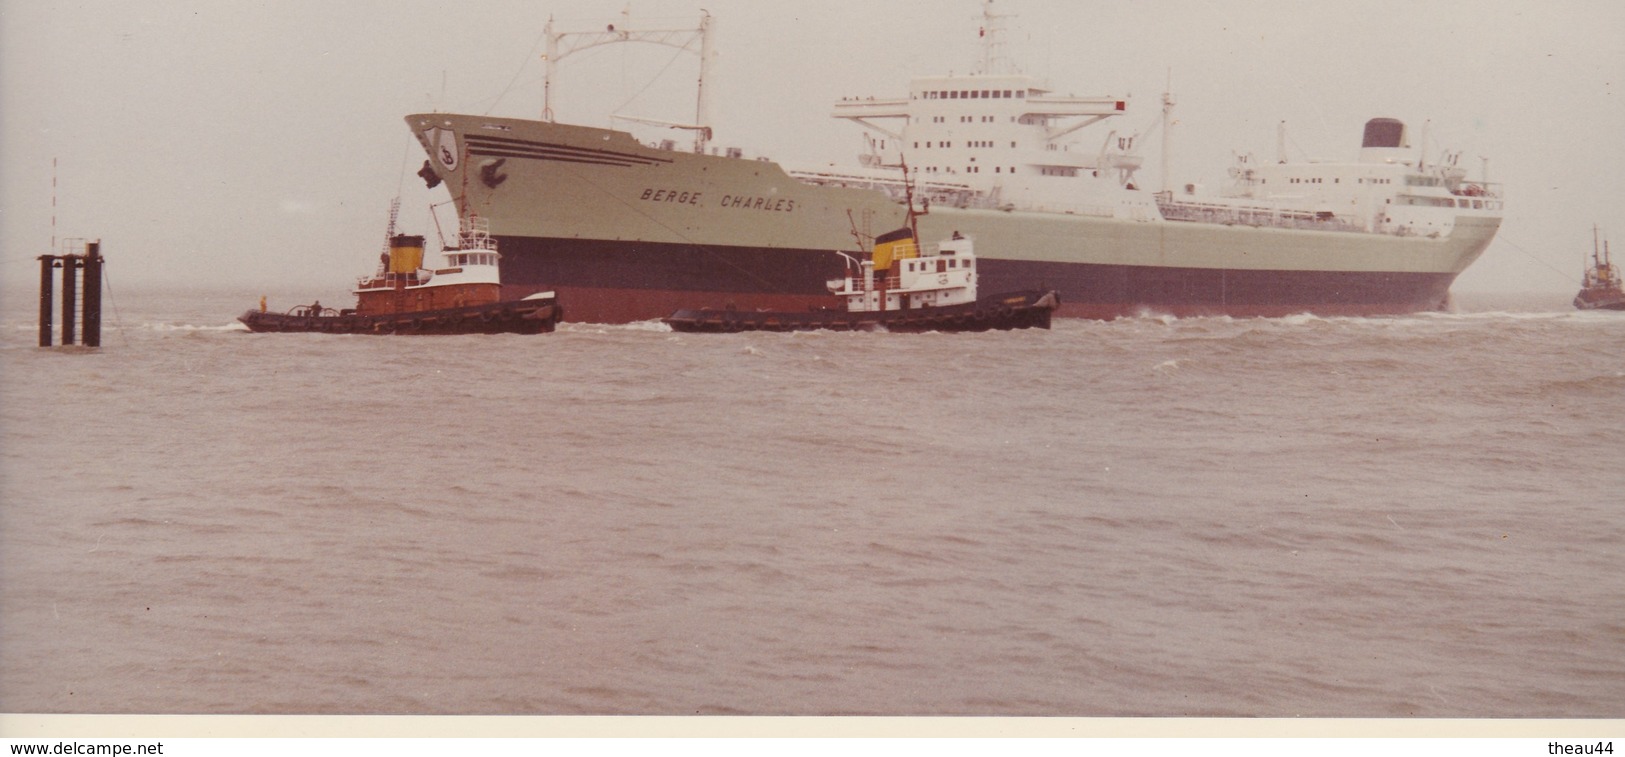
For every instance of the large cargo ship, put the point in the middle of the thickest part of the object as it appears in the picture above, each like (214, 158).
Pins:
(627, 231)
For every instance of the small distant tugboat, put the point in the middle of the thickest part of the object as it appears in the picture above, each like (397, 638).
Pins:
(901, 287)
(464, 297)
(1602, 289)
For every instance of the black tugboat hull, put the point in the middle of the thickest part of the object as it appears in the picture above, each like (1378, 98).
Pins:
(1015, 310)
(1600, 299)
(537, 316)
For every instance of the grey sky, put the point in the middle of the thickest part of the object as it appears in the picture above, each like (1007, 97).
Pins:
(257, 144)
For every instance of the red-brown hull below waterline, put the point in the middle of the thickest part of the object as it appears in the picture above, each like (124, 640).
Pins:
(600, 281)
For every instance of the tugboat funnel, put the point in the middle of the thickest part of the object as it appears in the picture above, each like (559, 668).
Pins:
(892, 245)
(405, 253)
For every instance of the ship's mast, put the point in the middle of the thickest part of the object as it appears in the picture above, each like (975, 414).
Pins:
(563, 44)
(994, 59)
(1598, 266)
(1422, 154)
(1167, 127)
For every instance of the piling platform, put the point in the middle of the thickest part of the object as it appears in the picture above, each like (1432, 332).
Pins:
(81, 304)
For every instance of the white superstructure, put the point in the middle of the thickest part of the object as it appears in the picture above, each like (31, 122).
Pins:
(997, 139)
(910, 277)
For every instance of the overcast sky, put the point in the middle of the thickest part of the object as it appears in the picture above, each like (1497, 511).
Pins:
(254, 144)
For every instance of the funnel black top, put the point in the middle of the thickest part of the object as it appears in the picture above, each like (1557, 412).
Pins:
(1384, 132)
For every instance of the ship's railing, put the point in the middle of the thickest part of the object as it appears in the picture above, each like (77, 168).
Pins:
(1091, 210)
(1484, 189)
(388, 280)
(474, 233)
(951, 195)
(891, 280)
(1231, 215)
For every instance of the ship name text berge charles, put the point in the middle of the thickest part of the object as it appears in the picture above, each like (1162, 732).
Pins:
(680, 197)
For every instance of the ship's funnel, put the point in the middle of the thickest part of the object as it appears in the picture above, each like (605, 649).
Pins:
(894, 245)
(1386, 141)
(405, 253)
(1385, 132)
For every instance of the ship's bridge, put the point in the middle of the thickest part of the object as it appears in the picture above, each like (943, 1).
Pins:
(1004, 124)
(1018, 98)
(1001, 138)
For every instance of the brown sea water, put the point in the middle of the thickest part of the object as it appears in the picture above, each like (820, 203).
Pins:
(1394, 517)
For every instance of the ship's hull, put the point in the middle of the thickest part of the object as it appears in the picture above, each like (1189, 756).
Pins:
(531, 316)
(1607, 299)
(620, 282)
(624, 232)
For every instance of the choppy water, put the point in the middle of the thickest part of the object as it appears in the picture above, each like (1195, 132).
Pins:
(1418, 516)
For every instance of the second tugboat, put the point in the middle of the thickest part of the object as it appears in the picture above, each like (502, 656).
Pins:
(1602, 289)
(901, 287)
(464, 297)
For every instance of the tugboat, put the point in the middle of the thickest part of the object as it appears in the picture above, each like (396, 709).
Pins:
(1602, 289)
(464, 297)
(901, 287)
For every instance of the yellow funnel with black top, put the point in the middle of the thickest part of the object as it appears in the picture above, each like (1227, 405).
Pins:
(894, 245)
(405, 253)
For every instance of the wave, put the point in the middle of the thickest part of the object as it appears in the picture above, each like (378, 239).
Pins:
(166, 327)
(1609, 385)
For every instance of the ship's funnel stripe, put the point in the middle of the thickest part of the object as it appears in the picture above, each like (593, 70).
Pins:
(893, 236)
(519, 148)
